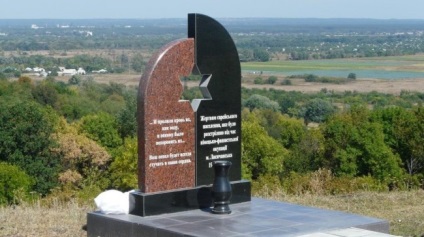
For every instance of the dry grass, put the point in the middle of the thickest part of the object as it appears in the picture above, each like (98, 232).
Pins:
(404, 210)
(57, 219)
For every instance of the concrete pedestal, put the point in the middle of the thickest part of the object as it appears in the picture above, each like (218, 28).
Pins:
(259, 217)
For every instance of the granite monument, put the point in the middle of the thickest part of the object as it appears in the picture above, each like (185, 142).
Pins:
(180, 140)
(181, 144)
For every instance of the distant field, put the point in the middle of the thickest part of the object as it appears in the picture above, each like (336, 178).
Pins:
(359, 85)
(384, 74)
(398, 67)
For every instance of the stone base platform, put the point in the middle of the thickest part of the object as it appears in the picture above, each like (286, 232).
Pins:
(259, 217)
(142, 204)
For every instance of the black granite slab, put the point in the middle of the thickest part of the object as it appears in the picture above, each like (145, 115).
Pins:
(148, 204)
(218, 115)
(260, 217)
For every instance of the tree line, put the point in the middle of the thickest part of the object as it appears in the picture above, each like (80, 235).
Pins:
(15, 65)
(77, 139)
(257, 40)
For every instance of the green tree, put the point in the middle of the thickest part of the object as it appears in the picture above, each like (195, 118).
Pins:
(355, 147)
(261, 102)
(261, 55)
(127, 118)
(261, 153)
(415, 138)
(291, 131)
(45, 93)
(286, 103)
(124, 168)
(246, 55)
(307, 154)
(2, 76)
(25, 141)
(113, 104)
(267, 119)
(137, 62)
(102, 128)
(12, 180)
(288, 131)
(404, 133)
(317, 110)
(124, 59)
(74, 107)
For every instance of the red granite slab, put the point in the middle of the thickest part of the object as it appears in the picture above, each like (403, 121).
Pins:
(166, 139)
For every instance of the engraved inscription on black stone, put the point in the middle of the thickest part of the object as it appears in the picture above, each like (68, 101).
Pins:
(218, 119)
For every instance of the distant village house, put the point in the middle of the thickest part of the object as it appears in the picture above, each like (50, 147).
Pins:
(100, 71)
(70, 72)
(37, 71)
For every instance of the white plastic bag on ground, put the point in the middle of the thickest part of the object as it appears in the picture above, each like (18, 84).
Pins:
(113, 202)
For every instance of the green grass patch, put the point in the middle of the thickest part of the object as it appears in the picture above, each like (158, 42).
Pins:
(324, 79)
(397, 67)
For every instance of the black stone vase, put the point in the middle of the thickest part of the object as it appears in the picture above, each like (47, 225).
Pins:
(221, 189)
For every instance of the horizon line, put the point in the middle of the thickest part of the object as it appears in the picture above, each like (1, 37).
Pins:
(172, 18)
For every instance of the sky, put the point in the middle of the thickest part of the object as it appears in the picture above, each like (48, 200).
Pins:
(147, 9)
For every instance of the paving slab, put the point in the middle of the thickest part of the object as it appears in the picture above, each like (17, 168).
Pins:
(349, 232)
(259, 217)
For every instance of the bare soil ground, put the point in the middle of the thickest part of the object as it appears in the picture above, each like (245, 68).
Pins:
(359, 85)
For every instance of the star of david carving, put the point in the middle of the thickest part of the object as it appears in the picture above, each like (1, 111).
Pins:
(203, 88)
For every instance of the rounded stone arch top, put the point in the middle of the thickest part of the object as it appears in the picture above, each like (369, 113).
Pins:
(216, 54)
(163, 72)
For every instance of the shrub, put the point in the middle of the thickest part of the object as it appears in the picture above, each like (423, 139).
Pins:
(256, 101)
(351, 76)
(74, 80)
(323, 182)
(258, 81)
(25, 80)
(84, 161)
(12, 180)
(266, 186)
(286, 82)
(117, 70)
(311, 78)
(124, 167)
(272, 79)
